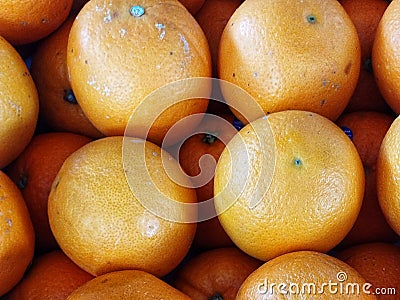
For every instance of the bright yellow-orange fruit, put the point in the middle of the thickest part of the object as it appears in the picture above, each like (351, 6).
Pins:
(120, 51)
(386, 55)
(388, 176)
(127, 284)
(290, 181)
(17, 240)
(102, 225)
(305, 275)
(26, 21)
(19, 104)
(291, 55)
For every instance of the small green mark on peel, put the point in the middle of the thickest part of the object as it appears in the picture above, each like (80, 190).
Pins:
(367, 65)
(22, 182)
(297, 162)
(69, 96)
(210, 138)
(137, 11)
(311, 19)
(216, 296)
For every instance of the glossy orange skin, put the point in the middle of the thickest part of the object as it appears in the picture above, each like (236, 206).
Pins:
(386, 57)
(127, 284)
(27, 21)
(211, 141)
(144, 53)
(280, 185)
(52, 276)
(302, 269)
(368, 129)
(366, 15)
(59, 110)
(19, 104)
(17, 237)
(388, 185)
(215, 273)
(34, 172)
(286, 55)
(378, 263)
(114, 230)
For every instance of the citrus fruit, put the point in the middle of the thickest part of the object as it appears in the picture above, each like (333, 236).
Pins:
(305, 275)
(127, 284)
(385, 55)
(119, 52)
(101, 225)
(367, 130)
(379, 264)
(26, 21)
(213, 17)
(215, 274)
(213, 134)
(19, 104)
(17, 238)
(51, 276)
(59, 110)
(366, 15)
(287, 56)
(281, 185)
(34, 172)
(388, 174)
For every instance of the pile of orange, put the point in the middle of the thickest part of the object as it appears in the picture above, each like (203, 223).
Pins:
(199, 149)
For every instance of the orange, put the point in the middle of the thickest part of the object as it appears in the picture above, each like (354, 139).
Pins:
(59, 109)
(282, 184)
(19, 104)
(366, 15)
(193, 6)
(286, 55)
(385, 56)
(213, 17)
(388, 183)
(304, 275)
(51, 276)
(17, 239)
(379, 264)
(101, 224)
(368, 130)
(116, 58)
(127, 284)
(215, 274)
(210, 140)
(34, 172)
(26, 21)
